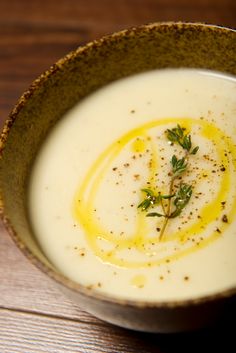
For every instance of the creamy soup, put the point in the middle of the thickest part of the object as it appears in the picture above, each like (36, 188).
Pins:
(134, 192)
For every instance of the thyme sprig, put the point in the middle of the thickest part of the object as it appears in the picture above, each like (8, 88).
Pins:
(179, 195)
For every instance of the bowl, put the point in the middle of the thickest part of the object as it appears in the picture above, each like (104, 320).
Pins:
(81, 72)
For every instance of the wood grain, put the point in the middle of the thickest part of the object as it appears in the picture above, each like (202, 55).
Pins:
(24, 332)
(34, 34)
(24, 287)
(34, 315)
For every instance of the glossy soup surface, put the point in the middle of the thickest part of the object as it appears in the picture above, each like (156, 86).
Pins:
(87, 180)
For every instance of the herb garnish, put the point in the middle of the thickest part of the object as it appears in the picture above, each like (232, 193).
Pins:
(183, 192)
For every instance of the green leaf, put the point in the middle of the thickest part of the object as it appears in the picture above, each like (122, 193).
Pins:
(179, 171)
(182, 198)
(172, 136)
(174, 160)
(194, 151)
(179, 130)
(150, 200)
(149, 192)
(144, 205)
(177, 135)
(179, 165)
(187, 144)
(155, 214)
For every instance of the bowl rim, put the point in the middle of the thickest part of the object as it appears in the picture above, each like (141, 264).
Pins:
(54, 275)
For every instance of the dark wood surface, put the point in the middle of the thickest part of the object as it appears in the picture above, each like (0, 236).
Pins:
(34, 316)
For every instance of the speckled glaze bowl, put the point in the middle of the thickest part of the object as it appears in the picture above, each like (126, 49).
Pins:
(81, 72)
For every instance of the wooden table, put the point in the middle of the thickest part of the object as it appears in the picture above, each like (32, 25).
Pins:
(34, 316)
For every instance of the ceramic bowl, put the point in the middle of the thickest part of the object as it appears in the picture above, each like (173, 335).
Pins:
(159, 45)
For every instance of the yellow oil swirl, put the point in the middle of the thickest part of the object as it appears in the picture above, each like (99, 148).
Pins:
(83, 204)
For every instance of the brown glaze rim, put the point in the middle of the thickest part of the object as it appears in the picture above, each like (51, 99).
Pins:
(59, 278)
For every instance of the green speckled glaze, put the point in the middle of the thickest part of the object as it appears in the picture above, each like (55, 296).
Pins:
(81, 72)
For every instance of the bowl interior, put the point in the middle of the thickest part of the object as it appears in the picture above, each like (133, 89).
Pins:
(82, 72)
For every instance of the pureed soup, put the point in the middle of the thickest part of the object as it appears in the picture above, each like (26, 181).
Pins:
(134, 192)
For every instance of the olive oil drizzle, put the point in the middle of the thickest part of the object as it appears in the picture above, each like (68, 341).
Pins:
(84, 202)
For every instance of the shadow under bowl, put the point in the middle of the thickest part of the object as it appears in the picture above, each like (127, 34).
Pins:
(155, 46)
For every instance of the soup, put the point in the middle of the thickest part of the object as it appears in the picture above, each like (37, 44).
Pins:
(133, 194)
